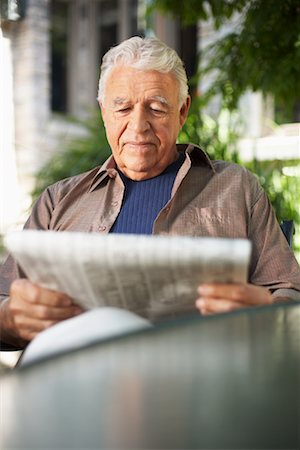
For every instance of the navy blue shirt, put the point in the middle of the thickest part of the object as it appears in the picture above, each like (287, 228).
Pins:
(144, 199)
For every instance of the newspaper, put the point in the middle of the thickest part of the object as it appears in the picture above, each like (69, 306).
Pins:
(153, 276)
(97, 325)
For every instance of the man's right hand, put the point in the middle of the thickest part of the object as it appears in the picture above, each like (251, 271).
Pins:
(31, 309)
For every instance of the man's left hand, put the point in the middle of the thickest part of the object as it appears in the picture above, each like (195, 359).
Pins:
(220, 298)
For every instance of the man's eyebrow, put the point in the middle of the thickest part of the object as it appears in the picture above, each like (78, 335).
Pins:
(119, 101)
(160, 99)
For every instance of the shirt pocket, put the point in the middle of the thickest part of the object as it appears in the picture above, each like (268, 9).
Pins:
(215, 222)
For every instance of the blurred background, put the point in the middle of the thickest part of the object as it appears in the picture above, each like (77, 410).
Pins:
(243, 64)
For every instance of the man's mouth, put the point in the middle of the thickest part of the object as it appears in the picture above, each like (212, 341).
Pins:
(139, 143)
(139, 146)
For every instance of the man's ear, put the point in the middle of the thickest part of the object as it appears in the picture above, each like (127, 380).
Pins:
(101, 106)
(102, 109)
(184, 111)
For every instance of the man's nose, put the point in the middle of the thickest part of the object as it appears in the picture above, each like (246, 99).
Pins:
(139, 121)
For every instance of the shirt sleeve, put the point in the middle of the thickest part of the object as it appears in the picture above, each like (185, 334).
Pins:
(273, 262)
(39, 219)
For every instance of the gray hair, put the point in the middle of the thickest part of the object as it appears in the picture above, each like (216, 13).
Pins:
(144, 54)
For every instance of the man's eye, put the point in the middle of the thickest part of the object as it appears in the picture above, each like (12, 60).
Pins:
(157, 110)
(123, 109)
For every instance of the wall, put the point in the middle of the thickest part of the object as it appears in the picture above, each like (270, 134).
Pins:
(25, 100)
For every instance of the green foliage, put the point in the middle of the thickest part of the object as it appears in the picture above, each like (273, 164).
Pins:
(282, 185)
(190, 11)
(218, 138)
(79, 156)
(261, 53)
(2, 249)
(281, 181)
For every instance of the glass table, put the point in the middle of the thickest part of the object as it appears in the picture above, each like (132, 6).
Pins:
(229, 381)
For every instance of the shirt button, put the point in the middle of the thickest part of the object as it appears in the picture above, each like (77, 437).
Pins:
(114, 203)
(102, 228)
(112, 173)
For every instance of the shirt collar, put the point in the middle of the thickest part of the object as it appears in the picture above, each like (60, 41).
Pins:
(109, 167)
(196, 154)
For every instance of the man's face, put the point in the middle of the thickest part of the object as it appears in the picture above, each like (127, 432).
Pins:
(142, 120)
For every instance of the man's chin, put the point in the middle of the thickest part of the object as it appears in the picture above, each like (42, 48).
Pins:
(140, 171)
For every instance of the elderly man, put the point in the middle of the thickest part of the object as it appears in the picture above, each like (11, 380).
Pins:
(151, 185)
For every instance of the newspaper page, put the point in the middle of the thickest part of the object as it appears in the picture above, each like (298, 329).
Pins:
(95, 325)
(153, 276)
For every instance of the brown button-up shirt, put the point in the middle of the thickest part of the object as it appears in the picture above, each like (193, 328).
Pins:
(209, 198)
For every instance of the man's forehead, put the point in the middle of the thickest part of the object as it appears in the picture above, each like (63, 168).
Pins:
(127, 77)
(126, 84)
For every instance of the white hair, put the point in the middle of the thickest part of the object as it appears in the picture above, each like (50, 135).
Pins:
(144, 54)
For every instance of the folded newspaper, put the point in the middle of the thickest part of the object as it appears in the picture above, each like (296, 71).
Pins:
(154, 276)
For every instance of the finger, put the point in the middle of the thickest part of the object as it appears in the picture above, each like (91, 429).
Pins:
(31, 321)
(38, 311)
(217, 305)
(43, 313)
(29, 328)
(35, 294)
(248, 294)
(25, 323)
